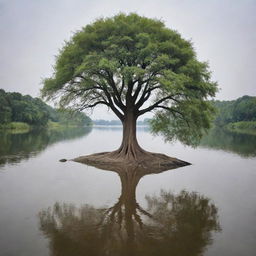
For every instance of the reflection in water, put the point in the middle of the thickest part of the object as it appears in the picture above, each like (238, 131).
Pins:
(172, 224)
(16, 147)
(242, 144)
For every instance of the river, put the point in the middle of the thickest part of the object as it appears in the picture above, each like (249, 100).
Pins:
(49, 207)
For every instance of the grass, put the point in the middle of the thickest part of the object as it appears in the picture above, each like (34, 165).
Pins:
(243, 127)
(16, 127)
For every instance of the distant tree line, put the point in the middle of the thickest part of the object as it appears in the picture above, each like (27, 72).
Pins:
(118, 122)
(15, 107)
(241, 110)
(71, 117)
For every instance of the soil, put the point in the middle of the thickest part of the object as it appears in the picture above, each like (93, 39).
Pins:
(153, 162)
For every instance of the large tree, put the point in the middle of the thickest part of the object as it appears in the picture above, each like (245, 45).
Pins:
(134, 65)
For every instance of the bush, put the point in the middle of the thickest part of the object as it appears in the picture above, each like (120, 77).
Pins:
(243, 127)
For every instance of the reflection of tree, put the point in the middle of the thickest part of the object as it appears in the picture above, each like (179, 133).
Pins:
(186, 221)
(16, 147)
(242, 144)
(171, 225)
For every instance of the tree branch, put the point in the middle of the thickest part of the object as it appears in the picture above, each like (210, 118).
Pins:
(175, 111)
(150, 108)
(118, 100)
(146, 94)
(137, 91)
(95, 104)
(112, 106)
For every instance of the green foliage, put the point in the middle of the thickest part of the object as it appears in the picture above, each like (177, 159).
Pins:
(17, 111)
(127, 60)
(15, 107)
(188, 130)
(5, 110)
(248, 127)
(242, 109)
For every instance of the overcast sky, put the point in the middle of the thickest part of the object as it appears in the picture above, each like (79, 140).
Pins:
(223, 33)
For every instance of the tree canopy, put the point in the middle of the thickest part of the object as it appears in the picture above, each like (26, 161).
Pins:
(126, 61)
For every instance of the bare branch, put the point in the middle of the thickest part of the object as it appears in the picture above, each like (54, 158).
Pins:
(147, 91)
(110, 99)
(112, 105)
(118, 100)
(156, 104)
(122, 86)
(137, 91)
(94, 104)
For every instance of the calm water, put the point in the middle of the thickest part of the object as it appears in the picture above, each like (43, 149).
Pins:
(53, 208)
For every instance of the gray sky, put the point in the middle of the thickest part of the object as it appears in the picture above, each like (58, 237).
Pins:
(223, 33)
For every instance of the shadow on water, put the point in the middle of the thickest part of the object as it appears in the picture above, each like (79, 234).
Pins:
(17, 147)
(172, 224)
(241, 144)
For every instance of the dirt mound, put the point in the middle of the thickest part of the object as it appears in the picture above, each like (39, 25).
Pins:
(153, 162)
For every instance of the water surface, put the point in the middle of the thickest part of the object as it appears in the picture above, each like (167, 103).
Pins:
(53, 208)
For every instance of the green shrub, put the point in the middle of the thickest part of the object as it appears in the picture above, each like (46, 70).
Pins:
(243, 127)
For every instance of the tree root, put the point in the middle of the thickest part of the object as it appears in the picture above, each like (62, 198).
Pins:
(153, 162)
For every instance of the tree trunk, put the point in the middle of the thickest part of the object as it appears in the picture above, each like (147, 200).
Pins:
(129, 149)
(130, 153)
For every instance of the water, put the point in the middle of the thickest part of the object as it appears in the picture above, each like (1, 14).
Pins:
(53, 208)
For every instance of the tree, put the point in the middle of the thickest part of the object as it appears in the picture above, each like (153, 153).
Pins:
(241, 109)
(27, 109)
(5, 109)
(134, 65)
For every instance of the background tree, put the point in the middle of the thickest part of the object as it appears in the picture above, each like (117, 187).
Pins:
(5, 109)
(242, 109)
(15, 107)
(134, 65)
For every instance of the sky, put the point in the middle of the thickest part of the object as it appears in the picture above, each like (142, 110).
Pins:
(223, 33)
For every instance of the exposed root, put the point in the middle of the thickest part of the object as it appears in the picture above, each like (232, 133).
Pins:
(153, 162)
